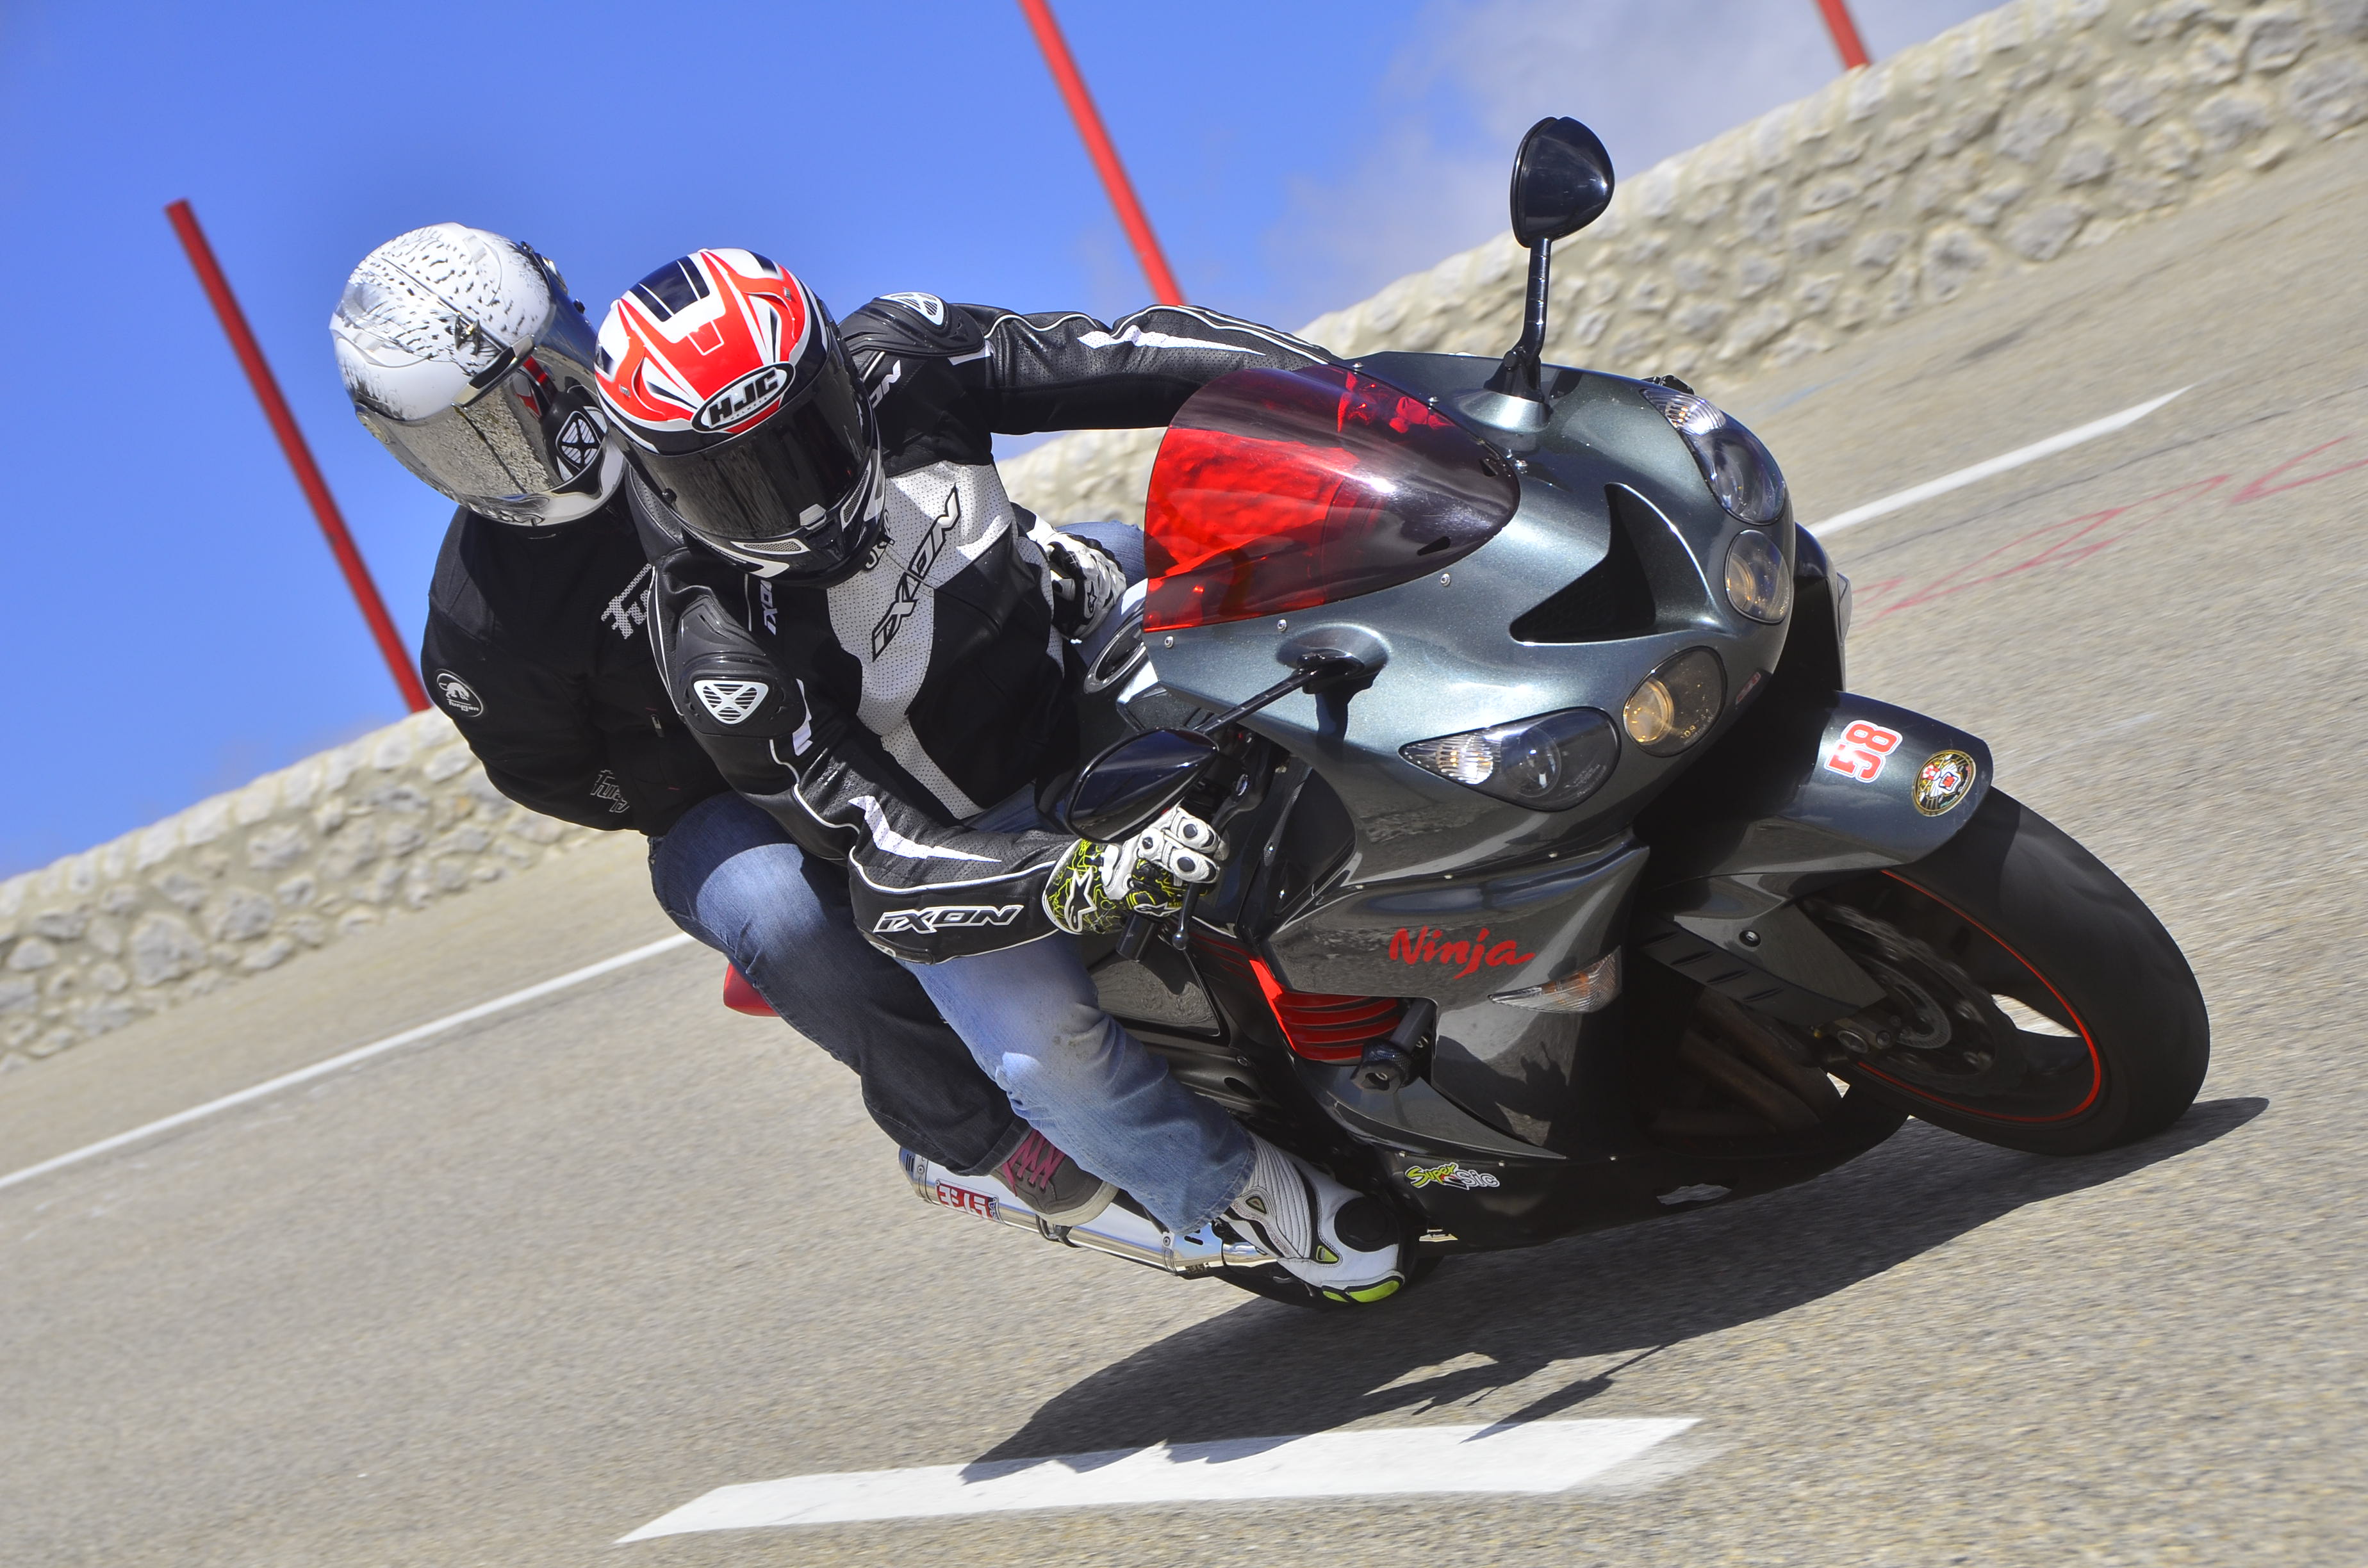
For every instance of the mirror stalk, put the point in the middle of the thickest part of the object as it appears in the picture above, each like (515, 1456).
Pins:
(1318, 665)
(1517, 376)
(1561, 182)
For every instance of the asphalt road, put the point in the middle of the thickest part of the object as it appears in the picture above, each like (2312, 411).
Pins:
(508, 1295)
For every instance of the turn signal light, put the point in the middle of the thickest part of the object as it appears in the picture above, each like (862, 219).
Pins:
(1590, 991)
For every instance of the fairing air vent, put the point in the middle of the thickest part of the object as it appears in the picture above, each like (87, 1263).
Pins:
(1610, 599)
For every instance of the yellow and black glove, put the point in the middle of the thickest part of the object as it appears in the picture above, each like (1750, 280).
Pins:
(1097, 886)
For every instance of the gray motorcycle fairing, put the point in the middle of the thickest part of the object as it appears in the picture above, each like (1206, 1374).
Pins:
(1720, 907)
(1674, 858)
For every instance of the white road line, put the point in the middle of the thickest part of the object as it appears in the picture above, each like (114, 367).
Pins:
(1537, 1456)
(360, 1053)
(1981, 470)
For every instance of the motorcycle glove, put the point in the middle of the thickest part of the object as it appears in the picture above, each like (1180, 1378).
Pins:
(1096, 886)
(1087, 581)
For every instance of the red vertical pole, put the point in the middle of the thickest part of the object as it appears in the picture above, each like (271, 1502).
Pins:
(1105, 155)
(1845, 31)
(300, 456)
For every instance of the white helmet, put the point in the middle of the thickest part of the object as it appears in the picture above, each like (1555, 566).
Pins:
(464, 356)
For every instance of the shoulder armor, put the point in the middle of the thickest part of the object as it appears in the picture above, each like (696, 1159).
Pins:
(929, 305)
(911, 325)
(723, 683)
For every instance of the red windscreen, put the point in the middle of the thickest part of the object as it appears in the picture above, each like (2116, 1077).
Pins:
(1279, 490)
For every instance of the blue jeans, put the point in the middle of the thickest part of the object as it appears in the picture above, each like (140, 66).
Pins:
(729, 875)
(1030, 1017)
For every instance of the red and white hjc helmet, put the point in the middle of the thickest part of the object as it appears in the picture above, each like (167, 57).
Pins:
(726, 375)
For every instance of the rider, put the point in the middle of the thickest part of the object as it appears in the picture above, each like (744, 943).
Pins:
(870, 639)
(465, 355)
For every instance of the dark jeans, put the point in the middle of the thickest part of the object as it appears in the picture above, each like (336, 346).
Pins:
(730, 877)
(1033, 1020)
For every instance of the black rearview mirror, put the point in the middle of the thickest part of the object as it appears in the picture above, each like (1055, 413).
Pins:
(1128, 787)
(1561, 181)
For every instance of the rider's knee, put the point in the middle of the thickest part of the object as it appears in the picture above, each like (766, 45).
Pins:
(1072, 1053)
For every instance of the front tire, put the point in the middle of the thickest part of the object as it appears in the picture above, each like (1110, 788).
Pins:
(2031, 1000)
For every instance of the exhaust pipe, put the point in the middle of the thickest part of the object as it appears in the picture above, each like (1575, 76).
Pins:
(1117, 1230)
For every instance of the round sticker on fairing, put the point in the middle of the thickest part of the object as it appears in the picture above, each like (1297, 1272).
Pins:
(460, 699)
(1946, 778)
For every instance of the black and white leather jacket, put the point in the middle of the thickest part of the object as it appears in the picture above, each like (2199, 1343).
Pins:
(877, 718)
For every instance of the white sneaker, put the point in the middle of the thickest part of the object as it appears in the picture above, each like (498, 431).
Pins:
(1344, 1242)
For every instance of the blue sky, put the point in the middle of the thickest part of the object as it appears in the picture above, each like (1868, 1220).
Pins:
(170, 621)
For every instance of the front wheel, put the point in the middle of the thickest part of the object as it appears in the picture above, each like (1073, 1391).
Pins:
(2031, 999)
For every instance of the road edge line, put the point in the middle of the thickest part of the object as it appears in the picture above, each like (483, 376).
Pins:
(2016, 458)
(346, 1059)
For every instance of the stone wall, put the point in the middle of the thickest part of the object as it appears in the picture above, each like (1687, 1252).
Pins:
(1995, 147)
(1992, 149)
(245, 881)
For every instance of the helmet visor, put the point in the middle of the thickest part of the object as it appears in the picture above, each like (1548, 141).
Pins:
(788, 476)
(535, 431)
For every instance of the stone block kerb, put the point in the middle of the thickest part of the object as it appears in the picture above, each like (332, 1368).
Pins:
(244, 881)
(1992, 149)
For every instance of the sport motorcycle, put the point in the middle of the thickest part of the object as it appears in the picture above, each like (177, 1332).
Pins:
(1570, 885)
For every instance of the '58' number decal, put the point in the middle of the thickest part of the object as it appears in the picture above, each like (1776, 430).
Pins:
(1862, 750)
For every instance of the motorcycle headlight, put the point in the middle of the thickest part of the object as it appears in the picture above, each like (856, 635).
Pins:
(1548, 764)
(1741, 472)
(1671, 708)
(1756, 583)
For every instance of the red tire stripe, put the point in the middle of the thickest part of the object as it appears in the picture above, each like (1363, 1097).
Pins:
(2096, 1059)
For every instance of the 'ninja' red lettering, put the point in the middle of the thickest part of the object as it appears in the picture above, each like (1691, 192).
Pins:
(1465, 955)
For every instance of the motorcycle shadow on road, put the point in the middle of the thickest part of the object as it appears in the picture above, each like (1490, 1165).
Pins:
(1614, 1298)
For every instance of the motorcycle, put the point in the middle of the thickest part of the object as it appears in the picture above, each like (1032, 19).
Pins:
(1571, 887)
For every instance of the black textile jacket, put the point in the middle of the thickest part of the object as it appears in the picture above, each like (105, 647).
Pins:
(538, 647)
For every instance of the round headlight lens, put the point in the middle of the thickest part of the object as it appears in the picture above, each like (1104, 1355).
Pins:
(1742, 473)
(1548, 764)
(1756, 583)
(1739, 469)
(1676, 705)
